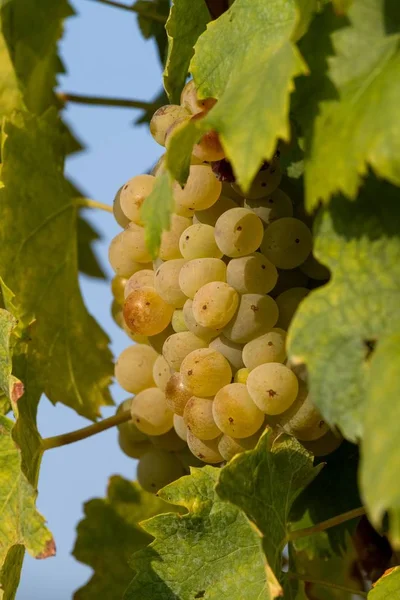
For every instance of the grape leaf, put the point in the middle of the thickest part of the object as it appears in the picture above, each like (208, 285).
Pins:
(156, 212)
(264, 483)
(337, 325)
(10, 93)
(88, 262)
(179, 152)
(359, 127)
(211, 552)
(186, 22)
(153, 25)
(11, 387)
(11, 572)
(246, 60)
(109, 535)
(387, 587)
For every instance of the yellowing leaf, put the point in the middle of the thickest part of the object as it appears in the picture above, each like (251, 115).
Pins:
(387, 587)
(9, 385)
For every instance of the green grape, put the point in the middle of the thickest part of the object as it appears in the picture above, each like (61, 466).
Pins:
(201, 190)
(205, 333)
(238, 232)
(134, 368)
(169, 248)
(117, 288)
(269, 347)
(167, 282)
(287, 243)
(142, 278)
(198, 241)
(179, 345)
(150, 412)
(188, 460)
(169, 441)
(314, 269)
(161, 372)
(289, 279)
(126, 252)
(157, 341)
(215, 304)
(178, 321)
(131, 448)
(235, 413)
(303, 419)
(253, 274)
(177, 394)
(206, 450)
(265, 182)
(158, 468)
(209, 147)
(199, 271)
(324, 445)
(205, 371)
(211, 215)
(272, 207)
(229, 446)
(180, 427)
(191, 101)
(288, 303)
(133, 194)
(116, 313)
(231, 351)
(198, 416)
(256, 315)
(229, 191)
(145, 312)
(162, 120)
(128, 429)
(273, 387)
(242, 375)
(119, 216)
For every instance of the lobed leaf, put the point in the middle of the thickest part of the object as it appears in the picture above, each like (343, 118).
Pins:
(11, 387)
(387, 587)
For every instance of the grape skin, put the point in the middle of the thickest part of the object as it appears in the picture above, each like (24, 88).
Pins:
(288, 303)
(211, 215)
(146, 313)
(169, 441)
(199, 271)
(287, 242)
(191, 101)
(229, 446)
(133, 194)
(124, 251)
(270, 347)
(235, 413)
(118, 284)
(206, 450)
(134, 368)
(179, 345)
(156, 469)
(265, 182)
(272, 207)
(201, 190)
(180, 427)
(198, 241)
(238, 232)
(242, 375)
(178, 321)
(215, 304)
(162, 120)
(324, 445)
(205, 371)
(119, 216)
(167, 282)
(314, 269)
(128, 429)
(177, 394)
(303, 419)
(132, 448)
(273, 387)
(144, 277)
(161, 372)
(157, 341)
(169, 248)
(198, 416)
(253, 274)
(256, 315)
(205, 333)
(150, 412)
(231, 351)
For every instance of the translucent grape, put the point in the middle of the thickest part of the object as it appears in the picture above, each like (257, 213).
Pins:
(273, 387)
(162, 120)
(169, 248)
(287, 243)
(127, 252)
(116, 313)
(205, 371)
(201, 190)
(204, 333)
(253, 274)
(133, 194)
(272, 207)
(215, 304)
(238, 232)
(150, 412)
(325, 445)
(289, 279)
(131, 448)
(119, 216)
(314, 269)
(180, 427)
(198, 241)
(303, 419)
(288, 303)
(178, 321)
(157, 341)
(231, 351)
(255, 316)
(198, 416)
(145, 312)
(169, 441)
(242, 375)
(209, 147)
(134, 368)
(158, 468)
(191, 101)
(167, 282)
(143, 278)
(211, 215)
(161, 372)
(128, 429)
(177, 393)
(235, 413)
(179, 345)
(117, 288)
(196, 273)
(265, 182)
(229, 446)
(269, 347)
(206, 450)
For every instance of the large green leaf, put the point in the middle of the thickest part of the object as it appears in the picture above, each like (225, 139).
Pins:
(336, 326)
(186, 22)
(10, 93)
(11, 387)
(109, 535)
(88, 262)
(247, 60)
(387, 587)
(213, 552)
(151, 18)
(11, 572)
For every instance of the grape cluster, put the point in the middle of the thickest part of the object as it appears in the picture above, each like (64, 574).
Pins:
(209, 370)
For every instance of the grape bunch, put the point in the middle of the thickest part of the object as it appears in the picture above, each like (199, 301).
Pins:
(208, 370)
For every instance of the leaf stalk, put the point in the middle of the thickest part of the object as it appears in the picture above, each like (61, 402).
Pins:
(140, 10)
(88, 203)
(103, 101)
(342, 518)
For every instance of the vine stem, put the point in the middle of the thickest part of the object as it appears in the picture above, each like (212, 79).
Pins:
(88, 203)
(328, 584)
(347, 516)
(85, 432)
(103, 101)
(140, 10)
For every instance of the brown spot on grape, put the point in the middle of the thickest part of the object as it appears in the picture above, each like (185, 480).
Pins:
(239, 228)
(230, 420)
(264, 184)
(137, 420)
(187, 237)
(147, 303)
(126, 187)
(254, 308)
(321, 424)
(270, 344)
(297, 241)
(271, 393)
(190, 372)
(200, 455)
(204, 307)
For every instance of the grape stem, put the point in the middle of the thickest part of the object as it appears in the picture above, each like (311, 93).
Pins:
(342, 518)
(327, 584)
(85, 432)
(102, 101)
(88, 203)
(140, 10)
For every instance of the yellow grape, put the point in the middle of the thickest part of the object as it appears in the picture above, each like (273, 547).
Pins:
(287, 242)
(205, 333)
(235, 413)
(199, 271)
(324, 445)
(255, 315)
(167, 282)
(303, 419)
(146, 313)
(134, 368)
(119, 216)
(117, 288)
(238, 232)
(288, 303)
(133, 194)
(265, 182)
(206, 450)
(191, 101)
(178, 321)
(177, 393)
(242, 375)
(132, 448)
(157, 341)
(205, 371)
(128, 429)
(150, 412)
(273, 387)
(142, 278)
(253, 274)
(269, 347)
(272, 207)
(229, 446)
(169, 248)
(201, 190)
(178, 345)
(215, 304)
(198, 241)
(198, 416)
(158, 468)
(161, 372)
(231, 351)
(210, 216)
(162, 120)
(180, 427)
(169, 441)
(126, 252)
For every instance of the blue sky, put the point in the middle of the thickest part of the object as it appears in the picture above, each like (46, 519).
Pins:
(104, 54)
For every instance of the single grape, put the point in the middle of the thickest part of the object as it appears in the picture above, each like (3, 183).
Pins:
(163, 118)
(288, 303)
(128, 429)
(272, 207)
(199, 271)
(215, 304)
(235, 413)
(229, 446)
(145, 312)
(303, 419)
(157, 341)
(205, 371)
(131, 448)
(289, 279)
(242, 375)
(169, 441)
(209, 147)
(119, 216)
(211, 215)
(265, 182)
(178, 321)
(150, 412)
(144, 277)
(324, 445)
(269, 347)
(117, 288)
(198, 416)
(314, 269)
(205, 333)
(198, 241)
(161, 372)
(167, 282)
(191, 101)
(206, 450)
(133, 194)
(229, 191)
(256, 315)
(179, 345)
(231, 351)
(180, 427)
(238, 232)
(116, 313)
(287, 243)
(177, 393)
(169, 248)
(188, 460)
(273, 387)
(127, 252)
(253, 274)
(134, 368)
(201, 190)
(158, 468)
